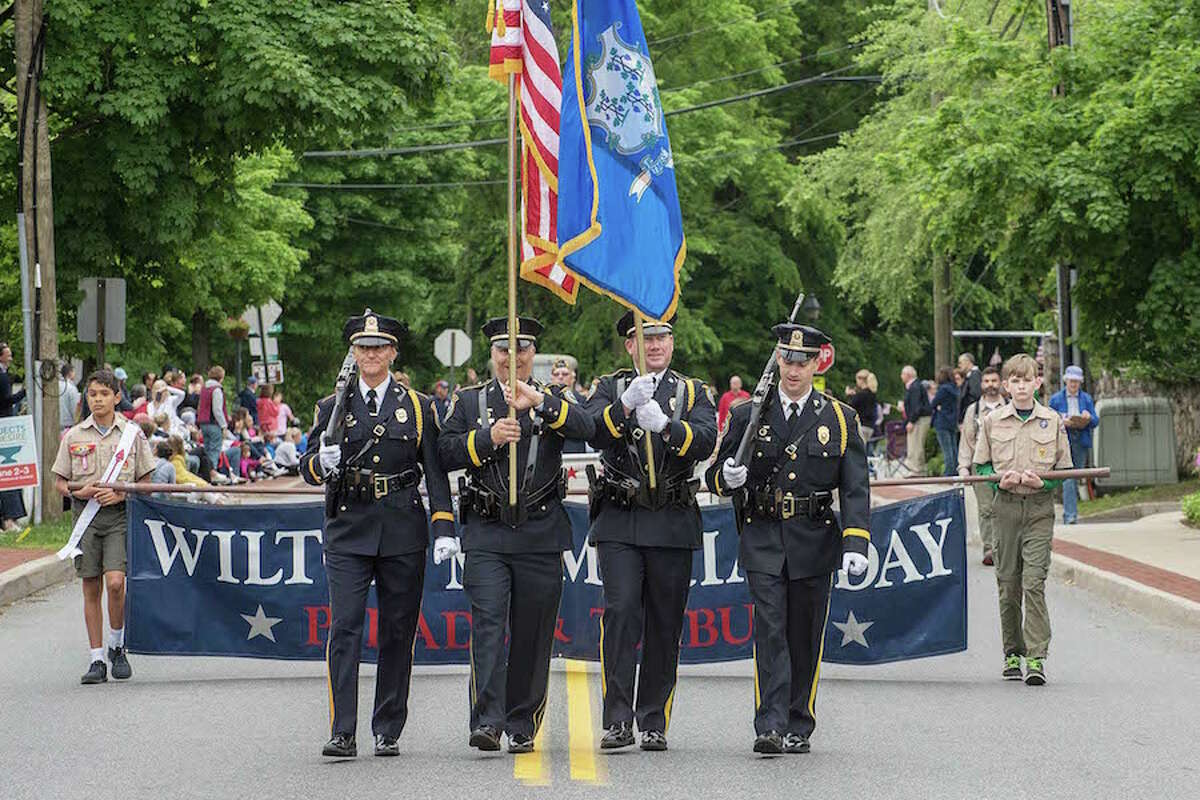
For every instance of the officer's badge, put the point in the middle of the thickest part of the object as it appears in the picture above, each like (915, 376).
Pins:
(823, 434)
(402, 415)
(372, 325)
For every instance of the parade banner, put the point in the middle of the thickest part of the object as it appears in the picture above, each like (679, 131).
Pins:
(248, 581)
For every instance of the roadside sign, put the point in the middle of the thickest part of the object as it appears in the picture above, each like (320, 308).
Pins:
(256, 348)
(271, 372)
(101, 322)
(18, 453)
(267, 313)
(825, 359)
(452, 347)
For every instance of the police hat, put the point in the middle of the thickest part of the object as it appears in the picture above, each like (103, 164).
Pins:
(799, 343)
(528, 329)
(650, 327)
(373, 330)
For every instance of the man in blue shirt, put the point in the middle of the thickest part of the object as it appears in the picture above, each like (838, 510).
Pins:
(1079, 415)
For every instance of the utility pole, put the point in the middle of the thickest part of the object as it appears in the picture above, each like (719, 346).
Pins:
(943, 323)
(1061, 33)
(36, 213)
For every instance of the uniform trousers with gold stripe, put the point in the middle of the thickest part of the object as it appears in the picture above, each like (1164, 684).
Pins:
(399, 580)
(515, 594)
(789, 636)
(645, 594)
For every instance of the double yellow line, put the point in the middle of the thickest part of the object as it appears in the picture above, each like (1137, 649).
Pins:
(533, 769)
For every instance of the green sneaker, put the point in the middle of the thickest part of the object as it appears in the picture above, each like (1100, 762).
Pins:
(1012, 668)
(1035, 672)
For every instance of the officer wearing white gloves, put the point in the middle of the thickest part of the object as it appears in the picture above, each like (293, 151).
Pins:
(376, 528)
(805, 447)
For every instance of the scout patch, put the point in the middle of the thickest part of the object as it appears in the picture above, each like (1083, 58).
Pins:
(402, 415)
(823, 435)
(1042, 451)
(83, 452)
(1045, 423)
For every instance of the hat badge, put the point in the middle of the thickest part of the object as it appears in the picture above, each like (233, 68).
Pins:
(823, 434)
(372, 325)
(797, 339)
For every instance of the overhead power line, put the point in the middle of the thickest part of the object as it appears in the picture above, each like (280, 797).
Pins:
(373, 186)
(753, 20)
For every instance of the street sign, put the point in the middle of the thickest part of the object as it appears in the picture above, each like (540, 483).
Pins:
(18, 453)
(271, 372)
(267, 314)
(96, 323)
(452, 347)
(256, 348)
(825, 359)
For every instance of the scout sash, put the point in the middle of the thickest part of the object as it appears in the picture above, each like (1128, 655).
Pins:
(71, 548)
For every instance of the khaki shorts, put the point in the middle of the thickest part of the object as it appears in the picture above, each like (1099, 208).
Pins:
(103, 543)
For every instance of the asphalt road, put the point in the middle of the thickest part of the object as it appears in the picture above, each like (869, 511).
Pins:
(1119, 720)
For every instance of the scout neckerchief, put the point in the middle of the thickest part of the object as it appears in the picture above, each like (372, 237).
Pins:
(124, 447)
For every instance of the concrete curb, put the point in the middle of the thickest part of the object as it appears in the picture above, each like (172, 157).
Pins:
(1146, 600)
(1152, 603)
(1131, 513)
(33, 576)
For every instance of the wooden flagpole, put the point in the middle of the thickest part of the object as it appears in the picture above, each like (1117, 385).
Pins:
(513, 234)
(638, 319)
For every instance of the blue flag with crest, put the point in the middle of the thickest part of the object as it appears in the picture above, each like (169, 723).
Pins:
(619, 226)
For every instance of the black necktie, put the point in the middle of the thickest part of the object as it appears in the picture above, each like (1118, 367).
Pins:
(794, 418)
(372, 406)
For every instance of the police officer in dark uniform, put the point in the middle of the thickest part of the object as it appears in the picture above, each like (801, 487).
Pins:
(376, 528)
(513, 572)
(806, 446)
(645, 537)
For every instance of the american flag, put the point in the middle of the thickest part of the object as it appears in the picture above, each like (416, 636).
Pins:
(523, 43)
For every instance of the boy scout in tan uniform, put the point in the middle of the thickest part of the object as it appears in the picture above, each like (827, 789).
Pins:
(1015, 442)
(83, 456)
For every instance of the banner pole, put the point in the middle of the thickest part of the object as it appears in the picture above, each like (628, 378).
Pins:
(513, 232)
(641, 350)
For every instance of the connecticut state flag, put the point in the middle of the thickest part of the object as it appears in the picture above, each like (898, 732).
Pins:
(619, 226)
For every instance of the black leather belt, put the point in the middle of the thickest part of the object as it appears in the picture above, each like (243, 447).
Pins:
(785, 505)
(478, 500)
(629, 493)
(366, 485)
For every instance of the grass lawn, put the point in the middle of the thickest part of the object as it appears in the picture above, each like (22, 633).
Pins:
(1148, 494)
(47, 536)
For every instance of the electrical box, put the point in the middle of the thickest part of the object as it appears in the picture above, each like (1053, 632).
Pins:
(1136, 439)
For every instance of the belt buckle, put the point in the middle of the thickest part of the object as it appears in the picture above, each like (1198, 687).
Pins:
(380, 485)
(787, 507)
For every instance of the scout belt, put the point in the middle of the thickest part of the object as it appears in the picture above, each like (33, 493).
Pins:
(365, 486)
(783, 505)
(476, 499)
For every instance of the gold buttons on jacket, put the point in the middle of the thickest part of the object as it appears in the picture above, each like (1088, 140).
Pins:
(375, 459)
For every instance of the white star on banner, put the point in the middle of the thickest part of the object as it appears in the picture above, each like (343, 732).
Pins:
(853, 630)
(261, 624)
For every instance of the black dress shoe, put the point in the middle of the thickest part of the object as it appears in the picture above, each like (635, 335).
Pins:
(520, 743)
(795, 743)
(341, 745)
(386, 745)
(769, 743)
(654, 740)
(617, 736)
(120, 663)
(97, 673)
(485, 738)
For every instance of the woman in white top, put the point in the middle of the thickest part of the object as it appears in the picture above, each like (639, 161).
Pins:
(165, 399)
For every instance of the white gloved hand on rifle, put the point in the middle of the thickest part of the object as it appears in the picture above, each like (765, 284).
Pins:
(444, 548)
(651, 417)
(735, 477)
(330, 455)
(638, 392)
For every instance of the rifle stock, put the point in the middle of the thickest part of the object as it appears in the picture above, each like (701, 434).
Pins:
(762, 391)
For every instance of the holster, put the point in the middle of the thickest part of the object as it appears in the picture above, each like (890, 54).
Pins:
(475, 498)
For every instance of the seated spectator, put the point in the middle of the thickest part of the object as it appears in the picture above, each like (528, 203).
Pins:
(137, 401)
(287, 454)
(161, 426)
(178, 460)
(164, 470)
(192, 397)
(249, 466)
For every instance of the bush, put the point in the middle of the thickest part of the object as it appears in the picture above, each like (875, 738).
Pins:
(1191, 508)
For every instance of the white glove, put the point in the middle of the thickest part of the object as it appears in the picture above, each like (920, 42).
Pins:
(735, 477)
(638, 392)
(444, 547)
(854, 563)
(651, 417)
(330, 455)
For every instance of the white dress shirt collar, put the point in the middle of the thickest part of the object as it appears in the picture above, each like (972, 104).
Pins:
(787, 401)
(379, 390)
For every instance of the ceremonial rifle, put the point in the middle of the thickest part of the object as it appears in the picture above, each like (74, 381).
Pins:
(761, 392)
(347, 376)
